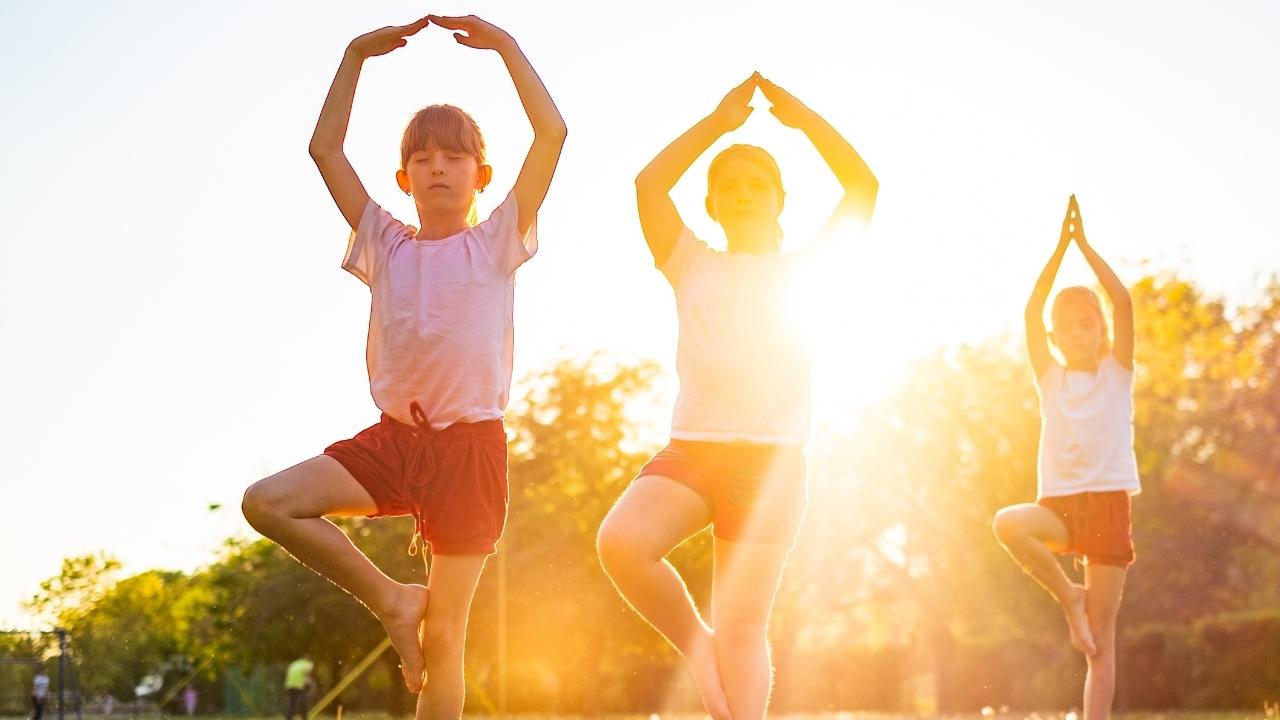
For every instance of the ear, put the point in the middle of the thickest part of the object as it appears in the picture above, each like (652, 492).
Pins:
(710, 208)
(402, 179)
(1053, 338)
(485, 177)
(782, 200)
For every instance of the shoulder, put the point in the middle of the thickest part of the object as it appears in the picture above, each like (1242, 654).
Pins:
(1114, 368)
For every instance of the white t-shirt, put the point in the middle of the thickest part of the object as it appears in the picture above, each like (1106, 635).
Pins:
(743, 361)
(40, 686)
(1086, 430)
(440, 323)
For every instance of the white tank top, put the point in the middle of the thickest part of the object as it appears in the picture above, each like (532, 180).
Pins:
(1086, 430)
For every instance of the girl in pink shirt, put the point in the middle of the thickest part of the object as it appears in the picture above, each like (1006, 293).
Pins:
(439, 356)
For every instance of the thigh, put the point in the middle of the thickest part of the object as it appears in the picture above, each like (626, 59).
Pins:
(314, 488)
(1036, 521)
(744, 581)
(654, 515)
(1104, 587)
(451, 582)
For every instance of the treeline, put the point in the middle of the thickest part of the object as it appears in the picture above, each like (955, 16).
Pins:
(896, 597)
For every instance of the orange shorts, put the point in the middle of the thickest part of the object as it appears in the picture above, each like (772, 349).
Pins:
(1099, 526)
(755, 492)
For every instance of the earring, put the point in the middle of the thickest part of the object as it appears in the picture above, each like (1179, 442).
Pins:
(408, 192)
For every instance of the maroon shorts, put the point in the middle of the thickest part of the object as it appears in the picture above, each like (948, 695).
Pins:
(755, 492)
(452, 481)
(1099, 526)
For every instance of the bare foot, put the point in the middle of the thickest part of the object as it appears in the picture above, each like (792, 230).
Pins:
(706, 674)
(1078, 620)
(401, 618)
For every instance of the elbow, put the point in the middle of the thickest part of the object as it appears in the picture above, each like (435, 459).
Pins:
(321, 149)
(646, 182)
(557, 132)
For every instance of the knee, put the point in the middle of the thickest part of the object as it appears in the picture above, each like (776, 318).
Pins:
(616, 548)
(260, 506)
(444, 634)
(740, 636)
(1007, 526)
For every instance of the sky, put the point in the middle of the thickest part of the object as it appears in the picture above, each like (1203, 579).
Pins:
(176, 324)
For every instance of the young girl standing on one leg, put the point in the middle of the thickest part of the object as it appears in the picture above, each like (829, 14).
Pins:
(439, 356)
(1087, 468)
(735, 459)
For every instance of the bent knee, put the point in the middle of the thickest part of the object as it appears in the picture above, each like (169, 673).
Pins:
(619, 548)
(1008, 526)
(613, 547)
(263, 506)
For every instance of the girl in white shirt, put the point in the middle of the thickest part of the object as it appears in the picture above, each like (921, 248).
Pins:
(1087, 470)
(735, 460)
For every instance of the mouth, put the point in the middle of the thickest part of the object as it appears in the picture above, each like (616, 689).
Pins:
(437, 186)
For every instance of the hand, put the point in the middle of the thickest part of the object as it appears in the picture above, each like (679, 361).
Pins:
(1076, 221)
(384, 40)
(735, 108)
(1068, 223)
(789, 111)
(479, 34)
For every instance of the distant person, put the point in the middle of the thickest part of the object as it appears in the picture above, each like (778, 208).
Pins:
(190, 698)
(298, 683)
(39, 693)
(439, 359)
(736, 456)
(1087, 468)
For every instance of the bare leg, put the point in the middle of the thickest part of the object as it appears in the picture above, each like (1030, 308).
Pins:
(452, 583)
(1104, 585)
(651, 518)
(1030, 533)
(745, 582)
(289, 508)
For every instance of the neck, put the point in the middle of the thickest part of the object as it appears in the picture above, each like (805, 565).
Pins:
(754, 242)
(1084, 366)
(438, 227)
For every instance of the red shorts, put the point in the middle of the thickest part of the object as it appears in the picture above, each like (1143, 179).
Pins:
(755, 492)
(452, 481)
(1099, 526)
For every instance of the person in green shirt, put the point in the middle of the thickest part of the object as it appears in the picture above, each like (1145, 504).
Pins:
(297, 681)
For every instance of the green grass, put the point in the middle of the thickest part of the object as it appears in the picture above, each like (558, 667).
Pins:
(1179, 715)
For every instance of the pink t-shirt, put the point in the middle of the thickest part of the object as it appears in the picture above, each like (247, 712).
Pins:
(440, 323)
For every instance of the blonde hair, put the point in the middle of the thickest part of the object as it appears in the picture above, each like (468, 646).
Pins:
(1080, 295)
(447, 128)
(757, 156)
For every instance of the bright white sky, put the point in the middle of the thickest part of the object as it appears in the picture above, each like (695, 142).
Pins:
(176, 325)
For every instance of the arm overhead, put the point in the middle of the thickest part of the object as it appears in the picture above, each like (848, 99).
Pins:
(549, 130)
(331, 128)
(659, 219)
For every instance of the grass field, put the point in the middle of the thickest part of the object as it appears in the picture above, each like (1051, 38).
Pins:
(1221, 715)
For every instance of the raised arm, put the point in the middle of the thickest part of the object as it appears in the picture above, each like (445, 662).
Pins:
(659, 219)
(1117, 293)
(860, 185)
(549, 130)
(1037, 338)
(331, 129)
